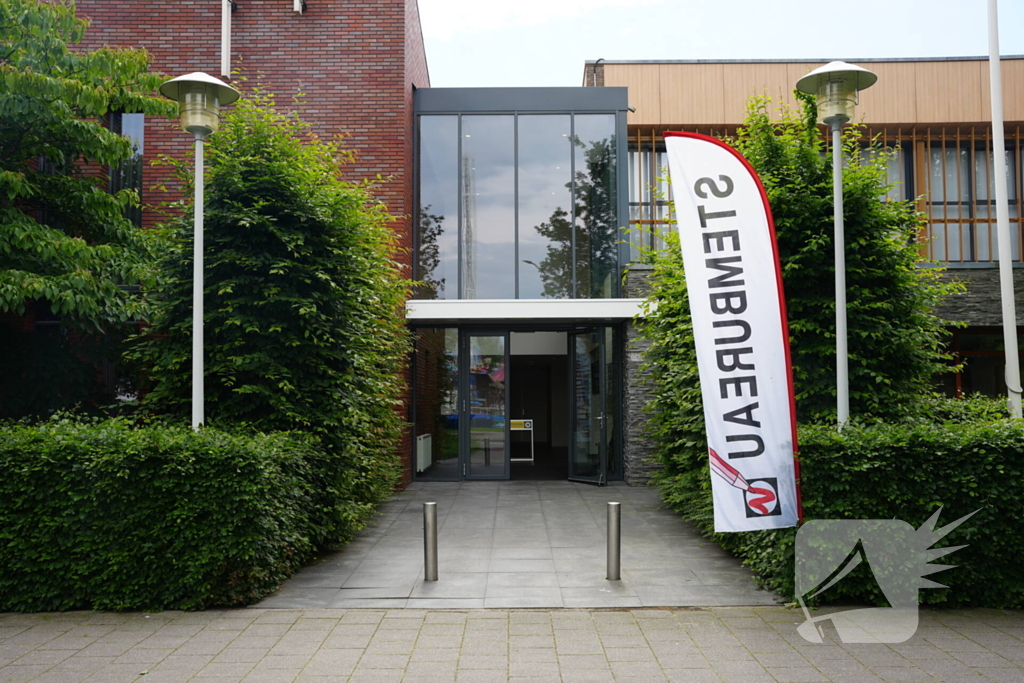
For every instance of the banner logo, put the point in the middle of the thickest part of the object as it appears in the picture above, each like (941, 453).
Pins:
(762, 498)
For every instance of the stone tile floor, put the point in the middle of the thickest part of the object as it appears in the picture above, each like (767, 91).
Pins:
(516, 544)
(718, 645)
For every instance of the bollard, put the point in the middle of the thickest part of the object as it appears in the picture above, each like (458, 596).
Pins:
(614, 540)
(430, 541)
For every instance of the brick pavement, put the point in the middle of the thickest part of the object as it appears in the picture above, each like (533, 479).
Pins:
(749, 644)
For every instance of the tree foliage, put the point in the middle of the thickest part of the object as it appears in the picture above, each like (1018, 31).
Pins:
(303, 302)
(64, 238)
(896, 343)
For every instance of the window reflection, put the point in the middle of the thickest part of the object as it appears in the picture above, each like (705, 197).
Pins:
(537, 206)
(597, 229)
(488, 207)
(128, 175)
(436, 401)
(545, 207)
(437, 247)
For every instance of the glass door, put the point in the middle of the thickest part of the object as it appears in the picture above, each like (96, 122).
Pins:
(588, 447)
(485, 442)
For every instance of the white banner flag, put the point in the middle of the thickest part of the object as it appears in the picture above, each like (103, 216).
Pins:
(739, 323)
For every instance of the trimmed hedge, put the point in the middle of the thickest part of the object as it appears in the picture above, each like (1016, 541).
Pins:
(104, 516)
(886, 471)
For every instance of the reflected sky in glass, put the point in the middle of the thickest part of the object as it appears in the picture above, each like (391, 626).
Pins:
(488, 222)
(437, 248)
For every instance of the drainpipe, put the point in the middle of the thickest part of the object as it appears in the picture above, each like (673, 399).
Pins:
(594, 79)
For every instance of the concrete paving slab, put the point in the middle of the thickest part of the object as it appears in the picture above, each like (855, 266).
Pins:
(521, 534)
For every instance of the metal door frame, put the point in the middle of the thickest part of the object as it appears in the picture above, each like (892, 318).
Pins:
(465, 409)
(597, 330)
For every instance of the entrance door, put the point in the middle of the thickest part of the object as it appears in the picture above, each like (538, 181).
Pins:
(590, 353)
(485, 445)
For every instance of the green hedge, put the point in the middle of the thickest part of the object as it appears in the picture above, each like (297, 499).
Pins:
(887, 471)
(104, 516)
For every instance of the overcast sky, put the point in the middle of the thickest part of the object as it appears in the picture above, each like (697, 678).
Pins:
(474, 43)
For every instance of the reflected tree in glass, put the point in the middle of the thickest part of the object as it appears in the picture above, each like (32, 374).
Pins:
(596, 227)
(428, 256)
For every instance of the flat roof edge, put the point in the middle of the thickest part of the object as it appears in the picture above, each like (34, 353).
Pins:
(802, 60)
(578, 99)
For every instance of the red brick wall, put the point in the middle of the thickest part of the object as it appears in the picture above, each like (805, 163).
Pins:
(416, 76)
(355, 62)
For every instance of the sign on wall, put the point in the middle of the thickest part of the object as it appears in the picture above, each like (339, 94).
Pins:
(739, 321)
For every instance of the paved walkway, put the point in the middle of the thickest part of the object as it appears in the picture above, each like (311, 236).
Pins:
(712, 645)
(523, 544)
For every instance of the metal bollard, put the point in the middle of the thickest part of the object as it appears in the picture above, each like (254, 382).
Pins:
(614, 540)
(430, 541)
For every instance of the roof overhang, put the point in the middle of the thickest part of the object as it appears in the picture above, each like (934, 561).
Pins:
(521, 310)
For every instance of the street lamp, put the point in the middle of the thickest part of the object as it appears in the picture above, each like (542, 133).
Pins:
(199, 97)
(835, 86)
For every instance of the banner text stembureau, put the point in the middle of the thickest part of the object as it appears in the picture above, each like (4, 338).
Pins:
(729, 359)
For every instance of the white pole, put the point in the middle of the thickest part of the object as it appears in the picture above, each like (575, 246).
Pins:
(842, 360)
(197, 295)
(1013, 389)
(225, 38)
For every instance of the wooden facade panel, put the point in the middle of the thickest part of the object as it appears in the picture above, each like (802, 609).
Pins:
(949, 92)
(644, 83)
(743, 81)
(907, 92)
(692, 92)
(1013, 89)
(893, 99)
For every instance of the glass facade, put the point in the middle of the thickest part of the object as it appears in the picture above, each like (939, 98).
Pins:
(437, 248)
(436, 403)
(488, 207)
(537, 197)
(545, 207)
(512, 402)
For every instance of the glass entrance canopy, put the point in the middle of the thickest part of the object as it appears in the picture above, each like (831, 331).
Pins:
(519, 193)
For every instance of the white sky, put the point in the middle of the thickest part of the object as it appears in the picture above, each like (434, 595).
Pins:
(501, 43)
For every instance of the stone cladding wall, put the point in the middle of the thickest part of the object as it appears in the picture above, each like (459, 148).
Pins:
(637, 390)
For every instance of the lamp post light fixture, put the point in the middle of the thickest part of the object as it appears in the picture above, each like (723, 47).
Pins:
(199, 97)
(835, 86)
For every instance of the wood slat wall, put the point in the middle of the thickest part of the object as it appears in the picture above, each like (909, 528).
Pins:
(907, 92)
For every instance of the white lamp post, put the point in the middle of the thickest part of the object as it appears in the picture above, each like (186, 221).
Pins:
(199, 97)
(835, 86)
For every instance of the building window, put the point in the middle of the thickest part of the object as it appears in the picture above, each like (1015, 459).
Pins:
(128, 176)
(436, 404)
(899, 170)
(517, 206)
(983, 354)
(650, 193)
(961, 201)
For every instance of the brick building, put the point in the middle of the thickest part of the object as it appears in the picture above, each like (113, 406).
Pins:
(511, 204)
(356, 64)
